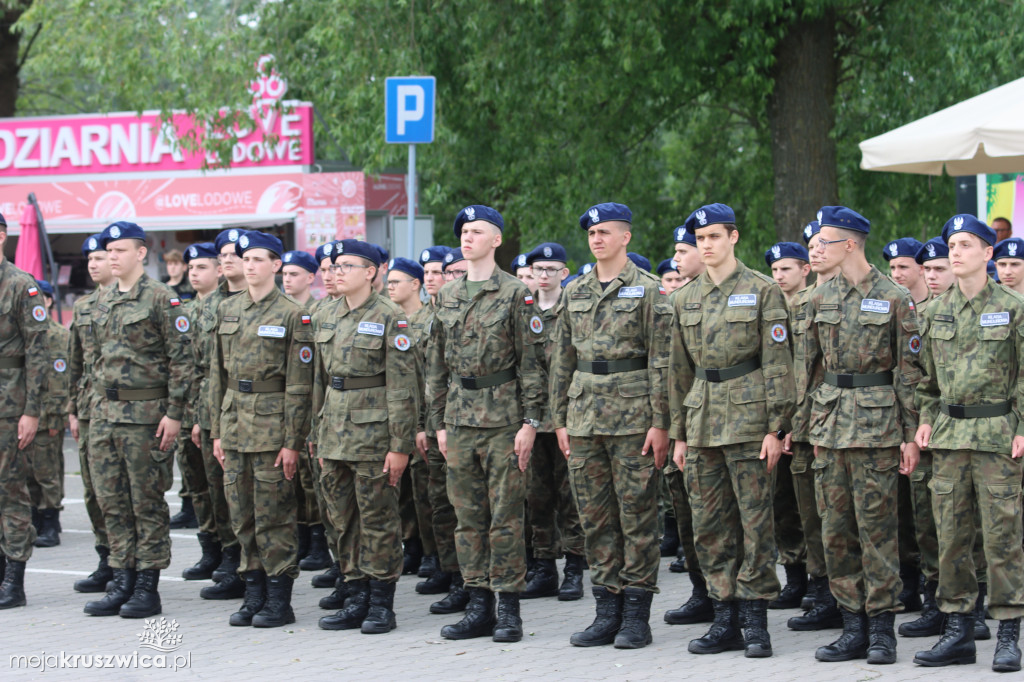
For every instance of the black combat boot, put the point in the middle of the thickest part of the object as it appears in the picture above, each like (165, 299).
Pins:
(428, 566)
(607, 622)
(881, 639)
(794, 590)
(412, 555)
(479, 619)
(352, 615)
(930, 622)
(119, 591)
(255, 598)
(439, 582)
(544, 582)
(910, 596)
(955, 647)
(48, 535)
(635, 632)
(508, 625)
(335, 601)
(211, 558)
(12, 589)
(457, 599)
(381, 616)
(277, 611)
(319, 557)
(1007, 656)
(824, 616)
(37, 520)
(145, 600)
(302, 541)
(232, 587)
(724, 634)
(98, 579)
(186, 518)
(679, 565)
(571, 588)
(757, 642)
(853, 643)
(328, 578)
(670, 540)
(981, 631)
(807, 603)
(697, 609)
(230, 561)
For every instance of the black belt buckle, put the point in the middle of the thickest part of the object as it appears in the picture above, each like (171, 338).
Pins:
(957, 411)
(112, 393)
(338, 383)
(713, 375)
(468, 382)
(844, 380)
(244, 386)
(599, 367)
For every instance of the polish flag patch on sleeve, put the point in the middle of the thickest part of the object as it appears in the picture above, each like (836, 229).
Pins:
(528, 299)
(32, 291)
(402, 324)
(662, 290)
(306, 319)
(175, 302)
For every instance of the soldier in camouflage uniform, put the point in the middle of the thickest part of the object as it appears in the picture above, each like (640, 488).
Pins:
(970, 398)
(261, 381)
(23, 340)
(609, 408)
(84, 399)
(860, 352)
(484, 384)
(365, 379)
(141, 374)
(732, 397)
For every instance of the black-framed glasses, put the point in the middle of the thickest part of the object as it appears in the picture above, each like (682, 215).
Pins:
(345, 268)
(822, 243)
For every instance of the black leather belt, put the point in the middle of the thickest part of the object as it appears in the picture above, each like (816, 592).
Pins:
(976, 411)
(611, 366)
(12, 363)
(858, 380)
(496, 379)
(247, 386)
(724, 374)
(352, 383)
(136, 393)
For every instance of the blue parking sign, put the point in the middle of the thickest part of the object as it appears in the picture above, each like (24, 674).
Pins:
(409, 109)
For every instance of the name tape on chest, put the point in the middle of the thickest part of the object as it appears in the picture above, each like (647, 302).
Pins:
(271, 331)
(995, 319)
(742, 300)
(631, 292)
(873, 305)
(371, 328)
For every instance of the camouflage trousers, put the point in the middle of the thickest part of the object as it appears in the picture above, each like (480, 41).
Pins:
(731, 498)
(443, 519)
(966, 484)
(329, 530)
(616, 490)
(305, 492)
(46, 470)
(16, 530)
(263, 513)
(909, 552)
(414, 504)
(193, 480)
(807, 506)
(789, 530)
(131, 475)
(488, 492)
(219, 511)
(553, 516)
(856, 492)
(364, 508)
(675, 481)
(92, 505)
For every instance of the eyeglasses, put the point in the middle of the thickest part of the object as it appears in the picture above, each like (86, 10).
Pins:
(453, 274)
(822, 243)
(345, 268)
(394, 282)
(545, 272)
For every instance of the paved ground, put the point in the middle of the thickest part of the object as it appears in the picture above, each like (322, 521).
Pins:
(53, 623)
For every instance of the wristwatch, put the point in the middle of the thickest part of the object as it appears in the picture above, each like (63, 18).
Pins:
(781, 434)
(532, 422)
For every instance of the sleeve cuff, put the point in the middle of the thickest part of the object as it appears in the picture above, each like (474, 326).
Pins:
(406, 447)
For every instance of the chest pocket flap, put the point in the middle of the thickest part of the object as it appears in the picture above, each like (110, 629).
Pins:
(943, 331)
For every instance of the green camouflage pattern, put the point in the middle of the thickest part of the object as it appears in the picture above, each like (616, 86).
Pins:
(807, 506)
(46, 470)
(443, 517)
(219, 509)
(24, 332)
(554, 520)
(680, 499)
(17, 534)
(789, 530)
(81, 358)
(56, 387)
(92, 505)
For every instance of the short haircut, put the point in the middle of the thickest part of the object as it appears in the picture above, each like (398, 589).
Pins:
(173, 256)
(859, 238)
(1005, 220)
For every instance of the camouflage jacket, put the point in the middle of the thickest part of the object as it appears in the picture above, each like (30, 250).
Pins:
(55, 398)
(798, 327)
(364, 424)
(266, 340)
(628, 319)
(478, 337)
(865, 329)
(720, 326)
(973, 354)
(23, 334)
(142, 342)
(83, 400)
(418, 326)
(203, 339)
(547, 329)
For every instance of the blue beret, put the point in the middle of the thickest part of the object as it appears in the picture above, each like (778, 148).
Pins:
(785, 250)
(603, 213)
(547, 251)
(810, 229)
(667, 265)
(354, 247)
(478, 212)
(382, 252)
(684, 236)
(639, 261)
(712, 214)
(904, 247)
(200, 250)
(121, 230)
(992, 271)
(932, 249)
(565, 282)
(258, 240)
(45, 287)
(227, 237)
(964, 222)
(453, 256)
(409, 267)
(1009, 248)
(518, 262)
(433, 254)
(324, 251)
(844, 218)
(92, 243)
(302, 259)
(584, 269)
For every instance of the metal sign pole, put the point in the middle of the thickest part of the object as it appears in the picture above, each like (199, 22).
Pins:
(411, 211)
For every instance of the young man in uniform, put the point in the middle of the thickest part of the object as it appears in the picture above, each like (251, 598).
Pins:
(454, 265)
(670, 277)
(687, 258)
(298, 271)
(609, 407)
(860, 353)
(485, 387)
(971, 422)
(1009, 258)
(142, 372)
(901, 254)
(938, 274)
(732, 397)
(521, 269)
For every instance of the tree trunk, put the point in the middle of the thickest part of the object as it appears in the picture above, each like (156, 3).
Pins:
(801, 117)
(9, 63)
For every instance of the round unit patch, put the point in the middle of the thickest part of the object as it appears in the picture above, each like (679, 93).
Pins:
(915, 344)
(536, 325)
(60, 365)
(779, 333)
(181, 324)
(402, 342)
(39, 313)
(306, 354)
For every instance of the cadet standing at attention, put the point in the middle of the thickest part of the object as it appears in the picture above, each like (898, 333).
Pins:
(260, 385)
(609, 407)
(485, 387)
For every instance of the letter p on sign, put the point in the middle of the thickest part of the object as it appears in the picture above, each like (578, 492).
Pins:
(409, 110)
